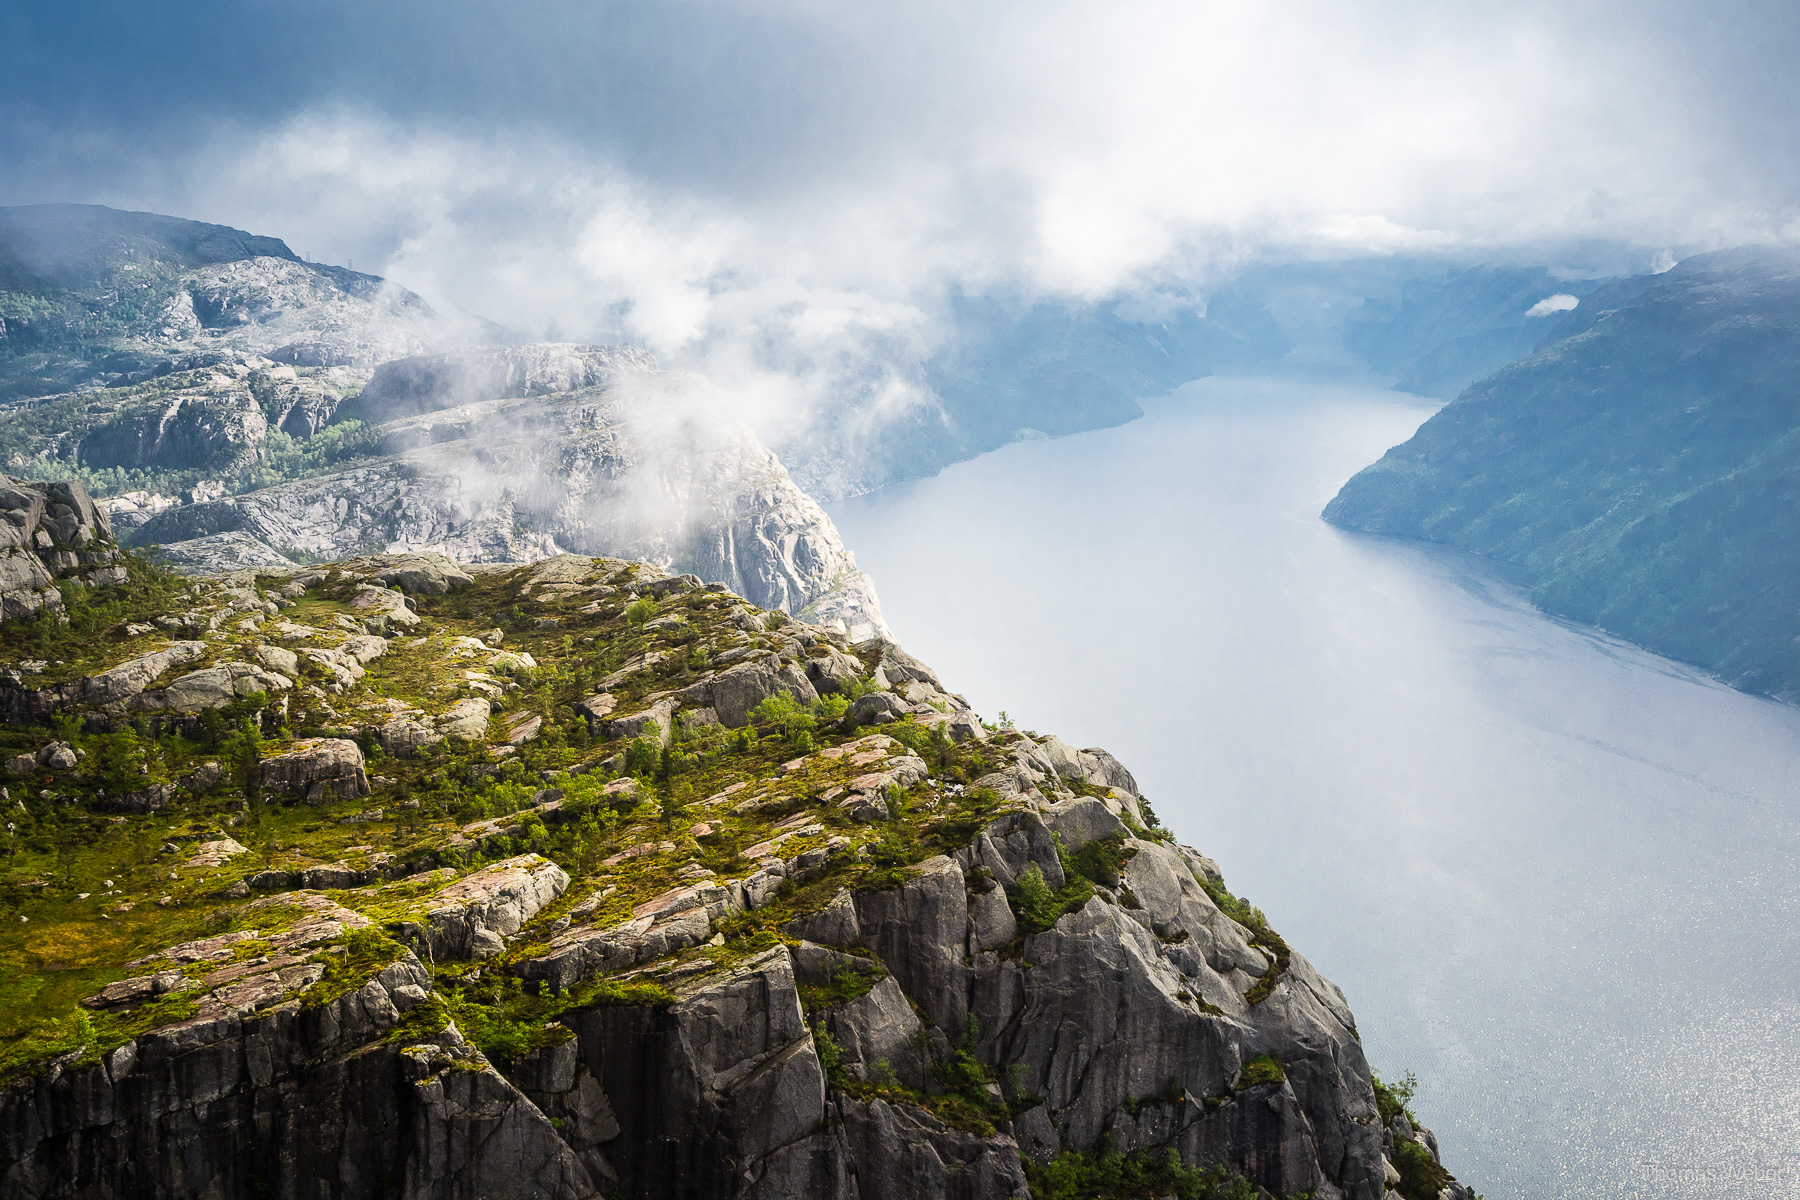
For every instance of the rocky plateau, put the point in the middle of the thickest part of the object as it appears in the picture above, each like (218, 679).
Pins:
(404, 876)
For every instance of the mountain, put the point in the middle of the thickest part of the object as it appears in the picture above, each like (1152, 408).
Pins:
(397, 877)
(1641, 466)
(508, 454)
(1013, 369)
(1447, 329)
(90, 296)
(244, 408)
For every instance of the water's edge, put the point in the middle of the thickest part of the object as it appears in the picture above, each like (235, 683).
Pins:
(1531, 853)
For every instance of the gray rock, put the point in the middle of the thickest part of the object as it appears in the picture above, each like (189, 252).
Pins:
(830, 669)
(220, 554)
(597, 708)
(876, 708)
(425, 575)
(833, 925)
(467, 719)
(317, 770)
(50, 531)
(918, 930)
(473, 916)
(384, 610)
(211, 687)
(661, 714)
(877, 1029)
(903, 1153)
(735, 691)
(277, 659)
(576, 461)
(991, 921)
(1081, 821)
(57, 756)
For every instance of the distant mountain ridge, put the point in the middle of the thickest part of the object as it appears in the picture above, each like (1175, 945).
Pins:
(93, 297)
(239, 406)
(1643, 466)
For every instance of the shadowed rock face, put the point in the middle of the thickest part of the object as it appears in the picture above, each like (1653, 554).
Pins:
(50, 531)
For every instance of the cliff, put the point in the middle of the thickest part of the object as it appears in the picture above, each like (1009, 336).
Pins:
(509, 454)
(91, 296)
(1638, 466)
(486, 454)
(395, 876)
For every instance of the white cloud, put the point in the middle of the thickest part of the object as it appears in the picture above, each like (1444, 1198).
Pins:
(785, 206)
(1561, 302)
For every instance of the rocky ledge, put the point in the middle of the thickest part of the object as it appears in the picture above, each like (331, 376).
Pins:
(577, 879)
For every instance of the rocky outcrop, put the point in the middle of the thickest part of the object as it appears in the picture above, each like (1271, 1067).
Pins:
(644, 465)
(315, 769)
(785, 959)
(408, 387)
(50, 531)
(269, 1091)
(211, 687)
(473, 917)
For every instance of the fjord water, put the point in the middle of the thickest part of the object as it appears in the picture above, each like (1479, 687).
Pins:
(1555, 875)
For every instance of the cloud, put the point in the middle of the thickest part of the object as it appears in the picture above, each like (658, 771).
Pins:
(1561, 302)
(781, 194)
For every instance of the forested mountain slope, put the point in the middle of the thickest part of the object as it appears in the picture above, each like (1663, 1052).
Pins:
(1643, 466)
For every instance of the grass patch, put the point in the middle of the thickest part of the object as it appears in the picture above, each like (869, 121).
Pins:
(1141, 1175)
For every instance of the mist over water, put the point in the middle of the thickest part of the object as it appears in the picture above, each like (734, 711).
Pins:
(1554, 874)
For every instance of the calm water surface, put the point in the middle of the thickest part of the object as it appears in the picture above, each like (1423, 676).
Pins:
(1554, 873)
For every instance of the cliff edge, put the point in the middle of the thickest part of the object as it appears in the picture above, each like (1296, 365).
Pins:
(395, 876)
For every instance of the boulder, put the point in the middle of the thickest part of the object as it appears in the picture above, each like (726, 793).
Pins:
(424, 575)
(876, 708)
(383, 609)
(473, 916)
(364, 647)
(211, 687)
(734, 692)
(57, 756)
(597, 708)
(277, 659)
(405, 734)
(467, 719)
(316, 769)
(661, 714)
(830, 669)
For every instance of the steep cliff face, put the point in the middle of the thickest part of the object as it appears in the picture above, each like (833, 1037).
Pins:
(50, 531)
(606, 456)
(577, 878)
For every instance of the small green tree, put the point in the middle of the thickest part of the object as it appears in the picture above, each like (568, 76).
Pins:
(1036, 902)
(644, 754)
(640, 611)
(787, 714)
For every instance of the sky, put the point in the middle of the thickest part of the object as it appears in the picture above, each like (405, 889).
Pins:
(793, 181)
